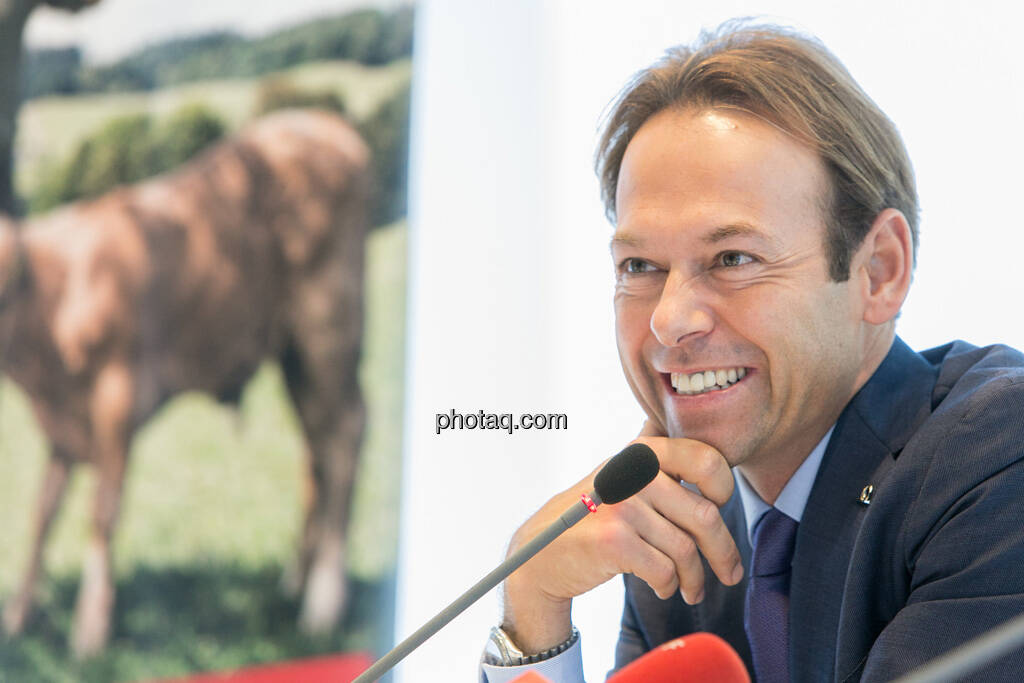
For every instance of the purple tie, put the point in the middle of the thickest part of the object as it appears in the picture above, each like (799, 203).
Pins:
(766, 614)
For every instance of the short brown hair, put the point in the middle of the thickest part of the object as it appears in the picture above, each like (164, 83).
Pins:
(794, 83)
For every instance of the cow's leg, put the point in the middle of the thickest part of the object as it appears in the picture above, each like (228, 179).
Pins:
(55, 481)
(110, 411)
(321, 370)
(333, 421)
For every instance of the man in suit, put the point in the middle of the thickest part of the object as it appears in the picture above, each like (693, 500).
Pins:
(850, 508)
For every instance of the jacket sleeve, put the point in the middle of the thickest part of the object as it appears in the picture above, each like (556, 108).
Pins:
(963, 542)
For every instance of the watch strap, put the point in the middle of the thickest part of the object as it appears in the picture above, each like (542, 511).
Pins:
(502, 651)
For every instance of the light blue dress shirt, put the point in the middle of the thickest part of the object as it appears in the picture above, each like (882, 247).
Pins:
(793, 498)
(567, 667)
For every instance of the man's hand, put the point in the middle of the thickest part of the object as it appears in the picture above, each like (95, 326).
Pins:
(657, 535)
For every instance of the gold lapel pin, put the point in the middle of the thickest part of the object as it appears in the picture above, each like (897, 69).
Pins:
(866, 493)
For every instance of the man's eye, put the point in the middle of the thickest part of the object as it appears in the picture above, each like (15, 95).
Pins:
(731, 259)
(635, 266)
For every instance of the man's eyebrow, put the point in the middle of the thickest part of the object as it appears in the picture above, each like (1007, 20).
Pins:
(625, 240)
(717, 235)
(738, 230)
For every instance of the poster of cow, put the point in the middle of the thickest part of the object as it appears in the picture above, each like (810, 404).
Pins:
(202, 284)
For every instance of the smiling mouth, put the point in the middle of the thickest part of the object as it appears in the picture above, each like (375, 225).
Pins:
(693, 384)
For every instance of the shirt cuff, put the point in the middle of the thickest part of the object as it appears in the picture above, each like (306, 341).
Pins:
(566, 667)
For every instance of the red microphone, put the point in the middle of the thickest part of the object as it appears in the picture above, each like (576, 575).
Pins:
(692, 658)
(531, 677)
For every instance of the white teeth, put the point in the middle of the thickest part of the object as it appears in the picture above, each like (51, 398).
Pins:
(681, 382)
(708, 380)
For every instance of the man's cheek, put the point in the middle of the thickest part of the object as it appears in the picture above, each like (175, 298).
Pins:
(632, 333)
(632, 325)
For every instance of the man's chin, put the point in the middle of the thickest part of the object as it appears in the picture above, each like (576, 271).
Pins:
(731, 450)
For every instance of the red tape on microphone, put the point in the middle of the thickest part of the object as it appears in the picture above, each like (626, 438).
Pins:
(589, 502)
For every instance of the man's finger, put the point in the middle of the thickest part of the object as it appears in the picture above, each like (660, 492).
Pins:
(648, 563)
(694, 462)
(678, 546)
(702, 521)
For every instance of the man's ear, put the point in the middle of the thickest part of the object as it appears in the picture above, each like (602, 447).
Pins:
(885, 262)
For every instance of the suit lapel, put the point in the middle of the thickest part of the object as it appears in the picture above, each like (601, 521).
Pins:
(824, 544)
(868, 436)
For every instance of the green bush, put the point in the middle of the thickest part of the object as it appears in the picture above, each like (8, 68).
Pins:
(116, 154)
(126, 150)
(387, 134)
(187, 132)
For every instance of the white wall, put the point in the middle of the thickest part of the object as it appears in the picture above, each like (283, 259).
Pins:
(511, 279)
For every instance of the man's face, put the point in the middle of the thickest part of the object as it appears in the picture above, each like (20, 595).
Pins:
(721, 275)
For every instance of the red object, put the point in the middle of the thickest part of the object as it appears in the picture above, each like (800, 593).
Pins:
(335, 669)
(531, 677)
(697, 657)
(589, 502)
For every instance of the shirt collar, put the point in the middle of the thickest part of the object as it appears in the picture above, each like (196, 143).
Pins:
(793, 498)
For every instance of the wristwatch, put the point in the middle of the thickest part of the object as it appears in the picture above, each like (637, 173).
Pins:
(501, 651)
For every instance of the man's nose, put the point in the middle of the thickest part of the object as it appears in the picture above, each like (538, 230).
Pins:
(682, 312)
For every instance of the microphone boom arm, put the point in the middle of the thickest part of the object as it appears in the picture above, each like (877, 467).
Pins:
(569, 518)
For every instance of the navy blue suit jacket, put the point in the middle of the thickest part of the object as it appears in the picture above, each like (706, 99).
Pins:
(935, 559)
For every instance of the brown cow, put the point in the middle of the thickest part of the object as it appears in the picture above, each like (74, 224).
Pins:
(110, 307)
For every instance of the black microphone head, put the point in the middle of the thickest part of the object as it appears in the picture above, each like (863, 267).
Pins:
(633, 468)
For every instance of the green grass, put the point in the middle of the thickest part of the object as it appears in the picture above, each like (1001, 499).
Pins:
(211, 518)
(209, 616)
